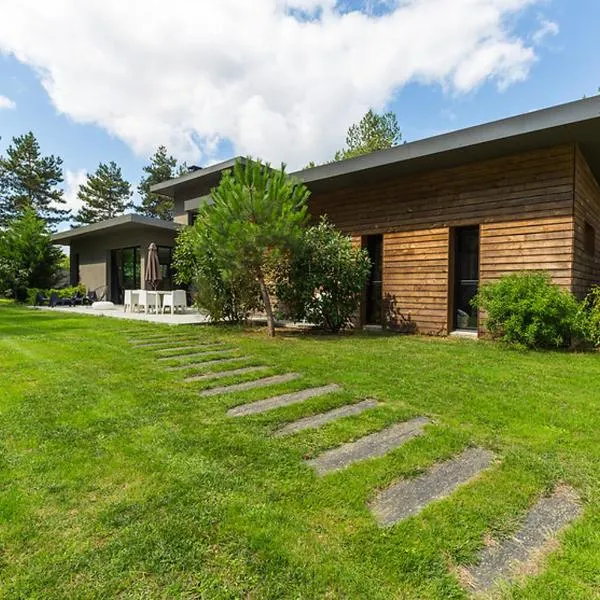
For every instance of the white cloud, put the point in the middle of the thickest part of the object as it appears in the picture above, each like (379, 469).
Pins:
(6, 103)
(190, 74)
(73, 179)
(546, 28)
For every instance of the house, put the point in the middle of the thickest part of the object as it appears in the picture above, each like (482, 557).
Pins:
(443, 215)
(109, 257)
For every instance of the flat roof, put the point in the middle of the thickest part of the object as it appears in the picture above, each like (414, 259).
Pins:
(209, 177)
(575, 122)
(124, 221)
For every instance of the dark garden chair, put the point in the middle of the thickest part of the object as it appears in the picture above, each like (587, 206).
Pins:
(41, 299)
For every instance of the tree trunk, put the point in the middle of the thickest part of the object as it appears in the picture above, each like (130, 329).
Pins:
(267, 302)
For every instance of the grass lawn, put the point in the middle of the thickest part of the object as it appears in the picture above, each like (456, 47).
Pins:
(118, 480)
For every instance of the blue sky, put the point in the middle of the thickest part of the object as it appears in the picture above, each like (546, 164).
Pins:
(566, 67)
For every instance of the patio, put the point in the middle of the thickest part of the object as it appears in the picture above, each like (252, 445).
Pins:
(188, 317)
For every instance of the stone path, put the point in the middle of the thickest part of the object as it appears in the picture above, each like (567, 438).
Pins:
(250, 385)
(409, 497)
(283, 400)
(323, 418)
(501, 561)
(371, 446)
(223, 374)
(504, 561)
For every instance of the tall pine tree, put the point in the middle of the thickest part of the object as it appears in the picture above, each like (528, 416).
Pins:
(29, 180)
(105, 195)
(162, 167)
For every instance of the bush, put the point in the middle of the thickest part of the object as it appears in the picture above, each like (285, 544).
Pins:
(67, 292)
(528, 310)
(324, 279)
(225, 294)
(588, 317)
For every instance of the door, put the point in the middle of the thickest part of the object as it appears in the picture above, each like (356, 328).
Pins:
(466, 277)
(125, 272)
(373, 296)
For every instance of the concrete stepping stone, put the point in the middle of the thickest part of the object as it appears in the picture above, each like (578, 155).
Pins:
(158, 345)
(371, 446)
(261, 406)
(506, 560)
(321, 419)
(250, 385)
(184, 349)
(408, 497)
(194, 354)
(207, 363)
(223, 374)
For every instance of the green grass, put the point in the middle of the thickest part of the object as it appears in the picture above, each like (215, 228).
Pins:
(118, 480)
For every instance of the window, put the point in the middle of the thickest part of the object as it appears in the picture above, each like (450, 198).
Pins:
(165, 259)
(589, 239)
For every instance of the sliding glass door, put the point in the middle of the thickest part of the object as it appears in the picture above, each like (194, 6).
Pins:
(125, 272)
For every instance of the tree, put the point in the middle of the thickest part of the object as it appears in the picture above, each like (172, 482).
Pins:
(255, 220)
(29, 180)
(27, 256)
(373, 132)
(324, 281)
(105, 195)
(162, 167)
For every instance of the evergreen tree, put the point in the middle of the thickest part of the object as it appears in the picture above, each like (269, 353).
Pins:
(29, 180)
(162, 167)
(105, 195)
(28, 258)
(373, 132)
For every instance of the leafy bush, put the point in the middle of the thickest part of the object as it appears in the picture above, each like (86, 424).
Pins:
(67, 292)
(27, 256)
(527, 309)
(324, 279)
(588, 317)
(225, 294)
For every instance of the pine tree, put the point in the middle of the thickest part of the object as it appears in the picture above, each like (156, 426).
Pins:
(373, 132)
(162, 167)
(29, 180)
(105, 195)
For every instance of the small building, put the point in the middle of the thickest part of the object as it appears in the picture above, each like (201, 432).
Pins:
(439, 216)
(109, 257)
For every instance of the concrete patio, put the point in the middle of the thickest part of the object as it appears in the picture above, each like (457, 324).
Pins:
(189, 317)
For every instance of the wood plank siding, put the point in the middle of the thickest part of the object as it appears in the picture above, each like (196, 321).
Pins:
(586, 268)
(523, 204)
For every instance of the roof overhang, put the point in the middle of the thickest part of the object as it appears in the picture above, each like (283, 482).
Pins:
(123, 224)
(207, 178)
(573, 123)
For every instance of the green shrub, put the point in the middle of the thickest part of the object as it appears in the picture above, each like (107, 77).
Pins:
(67, 292)
(224, 294)
(588, 317)
(324, 279)
(527, 309)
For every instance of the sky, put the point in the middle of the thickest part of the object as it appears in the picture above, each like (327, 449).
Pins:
(281, 80)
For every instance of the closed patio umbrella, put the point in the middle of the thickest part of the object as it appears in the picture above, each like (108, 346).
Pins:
(152, 275)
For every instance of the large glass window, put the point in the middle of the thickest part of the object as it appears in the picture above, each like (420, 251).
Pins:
(165, 259)
(466, 276)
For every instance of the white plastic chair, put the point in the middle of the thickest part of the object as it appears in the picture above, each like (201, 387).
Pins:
(148, 300)
(175, 300)
(132, 300)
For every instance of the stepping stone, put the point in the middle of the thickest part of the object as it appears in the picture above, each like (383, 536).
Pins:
(371, 446)
(207, 363)
(250, 385)
(157, 345)
(223, 374)
(195, 354)
(323, 418)
(409, 497)
(283, 400)
(184, 348)
(506, 560)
